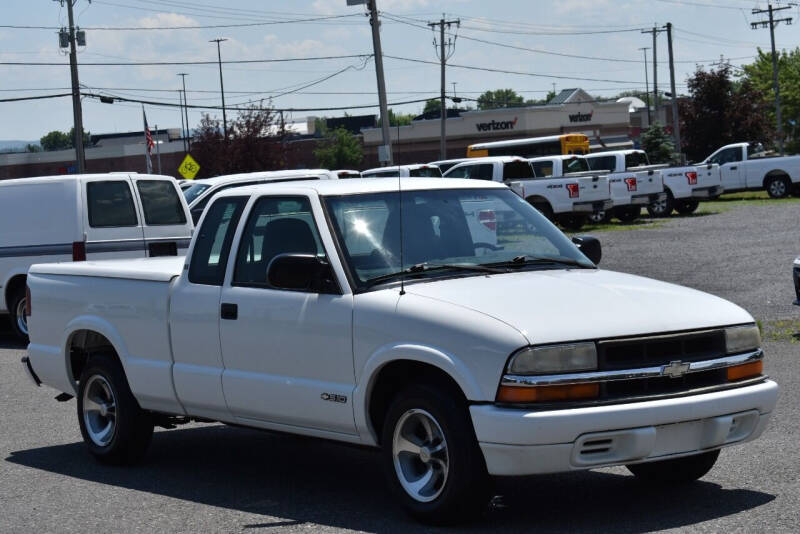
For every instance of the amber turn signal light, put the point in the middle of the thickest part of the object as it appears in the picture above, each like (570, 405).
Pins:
(547, 393)
(745, 370)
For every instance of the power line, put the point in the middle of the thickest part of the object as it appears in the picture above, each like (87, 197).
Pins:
(699, 4)
(174, 63)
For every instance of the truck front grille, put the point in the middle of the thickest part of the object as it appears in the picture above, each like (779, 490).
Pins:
(630, 353)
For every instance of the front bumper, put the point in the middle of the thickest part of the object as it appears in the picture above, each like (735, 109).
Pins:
(519, 442)
(707, 192)
(591, 207)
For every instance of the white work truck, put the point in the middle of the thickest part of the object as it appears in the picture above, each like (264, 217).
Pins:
(84, 216)
(743, 167)
(360, 311)
(568, 200)
(633, 184)
(417, 170)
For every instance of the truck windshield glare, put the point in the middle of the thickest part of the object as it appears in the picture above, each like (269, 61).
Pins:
(450, 226)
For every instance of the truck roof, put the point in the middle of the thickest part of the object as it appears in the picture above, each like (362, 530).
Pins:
(492, 159)
(362, 185)
(398, 167)
(562, 157)
(263, 175)
(613, 152)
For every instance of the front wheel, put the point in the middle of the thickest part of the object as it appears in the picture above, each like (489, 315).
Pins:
(114, 427)
(685, 207)
(600, 217)
(661, 208)
(19, 322)
(676, 471)
(432, 458)
(571, 221)
(778, 187)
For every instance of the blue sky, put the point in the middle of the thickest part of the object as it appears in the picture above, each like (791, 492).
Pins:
(704, 29)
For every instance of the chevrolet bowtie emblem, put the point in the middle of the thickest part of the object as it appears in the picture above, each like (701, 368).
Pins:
(675, 369)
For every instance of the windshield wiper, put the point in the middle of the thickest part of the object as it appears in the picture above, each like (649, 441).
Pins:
(421, 268)
(522, 261)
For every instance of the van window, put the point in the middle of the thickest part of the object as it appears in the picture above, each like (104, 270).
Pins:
(160, 203)
(110, 204)
(517, 170)
(603, 163)
(213, 245)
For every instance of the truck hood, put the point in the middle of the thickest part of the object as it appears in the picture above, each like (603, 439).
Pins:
(549, 306)
(161, 269)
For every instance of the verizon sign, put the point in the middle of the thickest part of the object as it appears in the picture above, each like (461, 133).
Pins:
(496, 125)
(581, 117)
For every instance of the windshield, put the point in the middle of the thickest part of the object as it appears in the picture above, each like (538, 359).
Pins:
(194, 191)
(575, 165)
(426, 172)
(467, 227)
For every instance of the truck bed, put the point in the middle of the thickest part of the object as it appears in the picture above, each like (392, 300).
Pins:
(152, 269)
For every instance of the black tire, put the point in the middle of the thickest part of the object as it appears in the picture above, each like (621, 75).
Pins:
(778, 186)
(132, 427)
(628, 214)
(544, 209)
(600, 217)
(677, 471)
(685, 207)
(662, 209)
(571, 221)
(466, 489)
(19, 323)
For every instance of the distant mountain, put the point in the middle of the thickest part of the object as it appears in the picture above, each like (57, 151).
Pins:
(14, 145)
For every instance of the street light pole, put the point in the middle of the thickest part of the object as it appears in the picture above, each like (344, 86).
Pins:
(221, 86)
(183, 76)
(644, 50)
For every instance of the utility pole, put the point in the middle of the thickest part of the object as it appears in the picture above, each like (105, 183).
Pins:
(771, 24)
(655, 31)
(644, 50)
(77, 112)
(221, 87)
(444, 55)
(183, 124)
(676, 123)
(183, 76)
(385, 151)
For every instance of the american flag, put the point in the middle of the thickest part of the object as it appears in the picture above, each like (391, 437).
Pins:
(148, 141)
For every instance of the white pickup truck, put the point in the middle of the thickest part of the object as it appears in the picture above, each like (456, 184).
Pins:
(742, 169)
(568, 200)
(348, 310)
(633, 184)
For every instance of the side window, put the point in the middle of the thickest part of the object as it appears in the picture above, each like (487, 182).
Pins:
(542, 169)
(517, 170)
(460, 172)
(730, 155)
(276, 225)
(485, 172)
(213, 245)
(110, 204)
(160, 202)
(603, 163)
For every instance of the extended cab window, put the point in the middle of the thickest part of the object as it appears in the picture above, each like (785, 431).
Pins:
(276, 225)
(603, 163)
(517, 170)
(160, 202)
(542, 169)
(110, 204)
(213, 245)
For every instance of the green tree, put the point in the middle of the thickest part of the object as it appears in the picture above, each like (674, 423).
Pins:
(658, 144)
(720, 112)
(56, 140)
(399, 119)
(30, 147)
(501, 98)
(339, 150)
(759, 75)
(431, 105)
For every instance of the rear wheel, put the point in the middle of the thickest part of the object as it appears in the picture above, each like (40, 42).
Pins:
(778, 186)
(544, 209)
(571, 221)
(432, 458)
(661, 208)
(676, 471)
(600, 217)
(19, 323)
(685, 207)
(628, 213)
(114, 427)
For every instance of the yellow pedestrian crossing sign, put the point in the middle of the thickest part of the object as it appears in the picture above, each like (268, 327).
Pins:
(189, 167)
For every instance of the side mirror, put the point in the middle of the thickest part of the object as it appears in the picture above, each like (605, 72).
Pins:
(590, 246)
(301, 272)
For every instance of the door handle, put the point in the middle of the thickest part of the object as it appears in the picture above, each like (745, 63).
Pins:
(229, 311)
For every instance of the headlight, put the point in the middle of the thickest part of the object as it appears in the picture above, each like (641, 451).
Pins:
(742, 339)
(554, 359)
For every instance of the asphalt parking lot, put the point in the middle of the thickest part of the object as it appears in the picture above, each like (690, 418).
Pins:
(213, 478)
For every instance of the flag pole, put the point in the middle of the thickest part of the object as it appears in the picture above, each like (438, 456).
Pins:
(148, 164)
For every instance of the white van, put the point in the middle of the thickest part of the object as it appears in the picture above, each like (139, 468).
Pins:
(79, 217)
(204, 189)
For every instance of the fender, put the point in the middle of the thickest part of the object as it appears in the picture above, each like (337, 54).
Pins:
(101, 326)
(405, 351)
